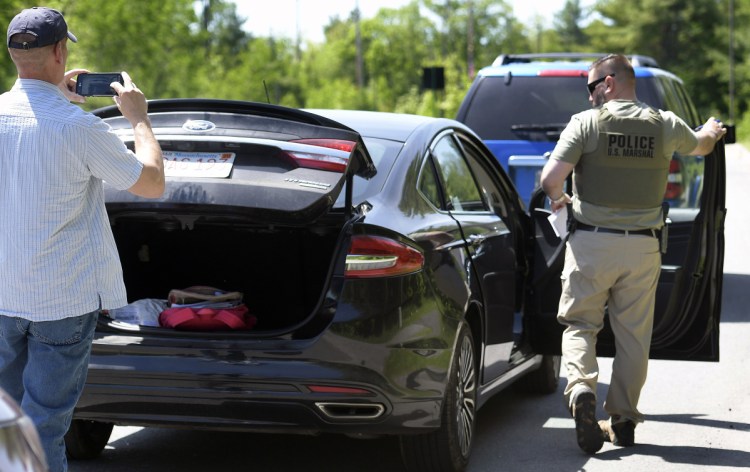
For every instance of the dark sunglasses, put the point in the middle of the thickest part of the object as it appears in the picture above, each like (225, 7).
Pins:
(592, 86)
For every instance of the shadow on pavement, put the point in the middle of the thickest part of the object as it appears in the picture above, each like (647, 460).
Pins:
(699, 420)
(694, 456)
(155, 449)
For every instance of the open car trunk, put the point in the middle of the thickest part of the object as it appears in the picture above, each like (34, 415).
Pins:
(248, 207)
(282, 271)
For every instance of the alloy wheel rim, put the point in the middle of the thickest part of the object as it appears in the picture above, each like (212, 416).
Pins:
(465, 398)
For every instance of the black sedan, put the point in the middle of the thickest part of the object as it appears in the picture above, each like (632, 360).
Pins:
(395, 278)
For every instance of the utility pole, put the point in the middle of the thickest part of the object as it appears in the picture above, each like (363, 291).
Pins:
(359, 65)
(298, 50)
(206, 17)
(731, 61)
(470, 41)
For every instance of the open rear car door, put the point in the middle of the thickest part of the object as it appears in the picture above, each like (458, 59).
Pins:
(688, 298)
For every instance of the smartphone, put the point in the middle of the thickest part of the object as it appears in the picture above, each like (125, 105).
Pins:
(96, 84)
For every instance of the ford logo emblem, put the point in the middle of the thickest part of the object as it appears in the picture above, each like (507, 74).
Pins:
(198, 125)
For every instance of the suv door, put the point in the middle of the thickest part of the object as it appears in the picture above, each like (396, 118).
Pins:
(688, 297)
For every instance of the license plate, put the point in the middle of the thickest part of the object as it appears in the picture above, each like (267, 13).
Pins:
(198, 164)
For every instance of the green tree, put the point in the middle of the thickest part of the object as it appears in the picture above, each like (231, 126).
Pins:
(222, 26)
(198, 48)
(489, 25)
(568, 26)
(682, 35)
(262, 72)
(396, 47)
(156, 46)
(739, 66)
(8, 74)
(328, 71)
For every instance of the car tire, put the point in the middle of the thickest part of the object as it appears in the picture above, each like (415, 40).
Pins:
(447, 449)
(545, 379)
(86, 439)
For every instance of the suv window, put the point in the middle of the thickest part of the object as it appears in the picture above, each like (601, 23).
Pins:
(520, 107)
(691, 113)
(525, 107)
(672, 101)
(538, 108)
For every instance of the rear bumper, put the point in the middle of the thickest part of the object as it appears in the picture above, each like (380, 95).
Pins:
(290, 391)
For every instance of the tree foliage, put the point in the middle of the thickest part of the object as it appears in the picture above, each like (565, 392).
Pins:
(568, 26)
(8, 9)
(682, 35)
(198, 48)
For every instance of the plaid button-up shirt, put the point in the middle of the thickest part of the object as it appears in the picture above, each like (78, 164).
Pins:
(58, 257)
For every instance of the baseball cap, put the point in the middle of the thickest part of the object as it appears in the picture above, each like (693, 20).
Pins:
(46, 24)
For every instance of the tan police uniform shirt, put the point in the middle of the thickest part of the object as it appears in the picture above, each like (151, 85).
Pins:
(581, 137)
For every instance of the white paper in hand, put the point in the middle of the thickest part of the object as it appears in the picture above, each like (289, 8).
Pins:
(559, 222)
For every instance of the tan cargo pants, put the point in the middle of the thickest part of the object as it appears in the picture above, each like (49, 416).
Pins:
(620, 272)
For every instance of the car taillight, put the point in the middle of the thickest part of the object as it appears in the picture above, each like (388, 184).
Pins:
(674, 180)
(375, 256)
(322, 161)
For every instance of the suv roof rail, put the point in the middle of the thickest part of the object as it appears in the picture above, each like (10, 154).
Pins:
(637, 60)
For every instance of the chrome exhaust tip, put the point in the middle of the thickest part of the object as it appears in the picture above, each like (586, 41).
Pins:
(350, 411)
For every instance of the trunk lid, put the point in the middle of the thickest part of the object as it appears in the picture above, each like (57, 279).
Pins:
(265, 162)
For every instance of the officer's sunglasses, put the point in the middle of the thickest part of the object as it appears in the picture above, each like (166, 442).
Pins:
(592, 86)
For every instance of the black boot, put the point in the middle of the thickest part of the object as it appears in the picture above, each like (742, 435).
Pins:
(588, 433)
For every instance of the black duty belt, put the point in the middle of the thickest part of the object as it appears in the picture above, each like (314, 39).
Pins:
(599, 229)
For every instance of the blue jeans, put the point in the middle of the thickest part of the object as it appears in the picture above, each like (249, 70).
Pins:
(43, 366)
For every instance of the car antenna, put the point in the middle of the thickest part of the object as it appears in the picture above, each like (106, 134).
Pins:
(268, 98)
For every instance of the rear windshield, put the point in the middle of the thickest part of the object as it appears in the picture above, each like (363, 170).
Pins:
(533, 108)
(383, 153)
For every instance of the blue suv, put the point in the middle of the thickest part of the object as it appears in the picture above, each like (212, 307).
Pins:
(521, 103)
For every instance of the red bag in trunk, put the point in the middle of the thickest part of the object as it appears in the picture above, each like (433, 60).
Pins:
(204, 308)
(207, 319)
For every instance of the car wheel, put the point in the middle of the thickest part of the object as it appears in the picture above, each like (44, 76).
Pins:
(543, 380)
(448, 448)
(86, 439)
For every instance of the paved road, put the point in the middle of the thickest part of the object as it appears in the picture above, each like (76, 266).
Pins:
(698, 414)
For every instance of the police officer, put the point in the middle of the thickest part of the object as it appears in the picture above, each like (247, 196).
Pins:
(619, 153)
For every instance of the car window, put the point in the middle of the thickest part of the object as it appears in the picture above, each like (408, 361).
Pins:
(383, 153)
(488, 185)
(461, 191)
(428, 184)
